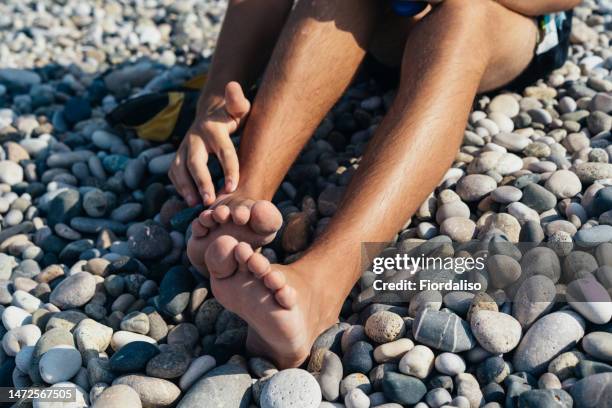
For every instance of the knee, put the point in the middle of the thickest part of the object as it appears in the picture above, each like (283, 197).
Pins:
(466, 17)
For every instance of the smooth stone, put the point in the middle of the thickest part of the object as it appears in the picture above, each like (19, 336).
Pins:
(14, 316)
(591, 237)
(126, 212)
(356, 399)
(358, 358)
(59, 363)
(403, 389)
(175, 290)
(459, 229)
(417, 362)
(533, 299)
(590, 299)
(443, 331)
(449, 364)
(504, 103)
(19, 337)
(197, 368)
(11, 173)
(81, 399)
(118, 396)
(393, 350)
(593, 391)
(492, 370)
(538, 198)
(153, 392)
(474, 187)
(134, 173)
(121, 338)
(538, 347)
(563, 184)
(136, 322)
(467, 386)
(545, 399)
(25, 301)
(168, 365)
(599, 345)
(496, 332)
(92, 337)
(503, 270)
(133, 357)
(74, 291)
(330, 375)
(438, 397)
(291, 388)
(506, 194)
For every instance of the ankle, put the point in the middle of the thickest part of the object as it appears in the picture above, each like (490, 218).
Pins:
(253, 191)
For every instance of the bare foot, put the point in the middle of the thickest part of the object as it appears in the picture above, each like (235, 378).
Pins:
(283, 308)
(251, 221)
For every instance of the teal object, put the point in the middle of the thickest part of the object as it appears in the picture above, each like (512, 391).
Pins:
(406, 8)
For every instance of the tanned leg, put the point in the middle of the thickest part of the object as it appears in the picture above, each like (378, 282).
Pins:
(456, 50)
(314, 61)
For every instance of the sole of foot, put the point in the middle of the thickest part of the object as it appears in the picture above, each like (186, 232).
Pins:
(280, 307)
(250, 221)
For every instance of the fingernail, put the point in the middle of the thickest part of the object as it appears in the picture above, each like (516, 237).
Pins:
(205, 198)
(190, 200)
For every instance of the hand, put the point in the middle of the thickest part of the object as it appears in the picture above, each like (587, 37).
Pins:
(210, 134)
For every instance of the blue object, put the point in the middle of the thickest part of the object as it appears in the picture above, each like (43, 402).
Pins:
(407, 8)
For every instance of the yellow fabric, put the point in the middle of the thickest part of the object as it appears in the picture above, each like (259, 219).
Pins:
(160, 127)
(197, 82)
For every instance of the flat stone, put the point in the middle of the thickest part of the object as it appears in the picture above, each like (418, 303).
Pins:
(153, 392)
(59, 363)
(227, 386)
(496, 332)
(74, 291)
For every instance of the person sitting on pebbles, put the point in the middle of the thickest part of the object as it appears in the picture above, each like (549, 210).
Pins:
(308, 54)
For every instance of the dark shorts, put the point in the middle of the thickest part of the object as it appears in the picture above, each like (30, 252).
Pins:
(550, 53)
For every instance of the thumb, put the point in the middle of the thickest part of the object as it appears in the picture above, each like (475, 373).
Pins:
(237, 105)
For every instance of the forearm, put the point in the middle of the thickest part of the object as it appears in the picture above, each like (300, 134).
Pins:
(248, 35)
(538, 7)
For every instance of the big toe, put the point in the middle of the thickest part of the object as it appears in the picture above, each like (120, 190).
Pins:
(265, 218)
(219, 257)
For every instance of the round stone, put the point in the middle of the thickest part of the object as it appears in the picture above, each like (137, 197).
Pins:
(95, 203)
(59, 363)
(417, 362)
(171, 364)
(563, 184)
(291, 388)
(450, 364)
(459, 229)
(473, 187)
(496, 332)
(506, 194)
(149, 241)
(504, 103)
(384, 327)
(11, 173)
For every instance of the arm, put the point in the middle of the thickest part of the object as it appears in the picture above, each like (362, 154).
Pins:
(246, 41)
(538, 7)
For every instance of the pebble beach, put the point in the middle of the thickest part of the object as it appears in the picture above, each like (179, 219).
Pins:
(97, 293)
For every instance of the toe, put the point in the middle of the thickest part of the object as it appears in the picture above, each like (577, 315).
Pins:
(243, 252)
(206, 219)
(221, 214)
(286, 297)
(195, 255)
(241, 214)
(265, 218)
(220, 258)
(259, 265)
(198, 230)
(275, 280)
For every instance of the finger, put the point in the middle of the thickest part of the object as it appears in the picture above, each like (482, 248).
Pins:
(196, 163)
(226, 153)
(179, 174)
(236, 103)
